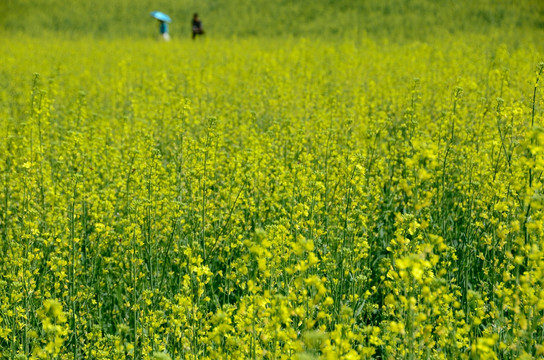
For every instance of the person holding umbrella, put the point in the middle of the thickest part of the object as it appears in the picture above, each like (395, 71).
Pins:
(163, 24)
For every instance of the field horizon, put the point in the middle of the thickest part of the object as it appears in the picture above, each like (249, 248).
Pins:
(398, 20)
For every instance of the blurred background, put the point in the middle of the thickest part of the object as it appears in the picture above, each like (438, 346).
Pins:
(396, 20)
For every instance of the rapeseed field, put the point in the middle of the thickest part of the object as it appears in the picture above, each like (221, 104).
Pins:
(264, 197)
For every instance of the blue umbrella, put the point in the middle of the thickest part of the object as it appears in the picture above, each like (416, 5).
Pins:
(161, 16)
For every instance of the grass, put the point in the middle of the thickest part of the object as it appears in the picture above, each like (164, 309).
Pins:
(396, 20)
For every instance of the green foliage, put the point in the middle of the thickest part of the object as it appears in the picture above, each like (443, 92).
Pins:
(395, 20)
(287, 188)
(279, 199)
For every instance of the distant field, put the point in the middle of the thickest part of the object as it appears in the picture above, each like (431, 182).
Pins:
(395, 20)
(333, 193)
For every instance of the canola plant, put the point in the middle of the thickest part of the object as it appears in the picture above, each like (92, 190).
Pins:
(293, 199)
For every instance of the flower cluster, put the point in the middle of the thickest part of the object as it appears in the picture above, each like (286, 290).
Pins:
(308, 200)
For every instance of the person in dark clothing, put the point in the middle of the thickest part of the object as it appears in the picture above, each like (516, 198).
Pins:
(197, 26)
